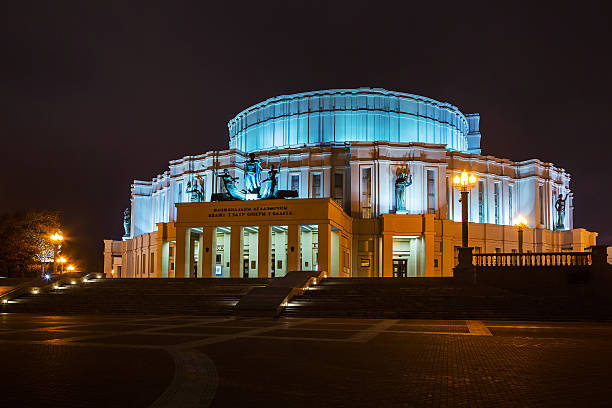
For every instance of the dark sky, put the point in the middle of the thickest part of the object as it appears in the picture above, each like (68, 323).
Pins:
(95, 94)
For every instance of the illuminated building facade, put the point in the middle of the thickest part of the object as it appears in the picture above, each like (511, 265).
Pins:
(372, 174)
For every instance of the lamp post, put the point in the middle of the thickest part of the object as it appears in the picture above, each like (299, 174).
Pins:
(520, 222)
(56, 238)
(464, 182)
(62, 261)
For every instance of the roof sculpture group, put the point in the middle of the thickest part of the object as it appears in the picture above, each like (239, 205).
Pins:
(255, 188)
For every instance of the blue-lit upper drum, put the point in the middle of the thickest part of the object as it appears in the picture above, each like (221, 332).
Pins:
(346, 115)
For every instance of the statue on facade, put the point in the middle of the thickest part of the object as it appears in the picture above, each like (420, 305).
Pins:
(252, 174)
(195, 195)
(268, 186)
(560, 207)
(403, 181)
(127, 222)
(233, 192)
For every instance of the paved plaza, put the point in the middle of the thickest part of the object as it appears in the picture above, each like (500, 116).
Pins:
(186, 361)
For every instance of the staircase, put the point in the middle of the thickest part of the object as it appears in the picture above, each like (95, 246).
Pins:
(436, 298)
(138, 296)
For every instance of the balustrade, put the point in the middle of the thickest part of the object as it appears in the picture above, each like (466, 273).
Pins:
(542, 259)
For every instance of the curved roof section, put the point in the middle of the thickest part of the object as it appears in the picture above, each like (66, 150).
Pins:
(345, 115)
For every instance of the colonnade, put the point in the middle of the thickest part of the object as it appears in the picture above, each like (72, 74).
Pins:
(330, 256)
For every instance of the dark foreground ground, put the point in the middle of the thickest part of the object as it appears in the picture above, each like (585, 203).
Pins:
(182, 361)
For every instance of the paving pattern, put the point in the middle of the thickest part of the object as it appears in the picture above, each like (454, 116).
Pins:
(190, 361)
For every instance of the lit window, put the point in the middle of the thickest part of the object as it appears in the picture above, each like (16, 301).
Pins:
(295, 183)
(338, 188)
(366, 192)
(510, 209)
(496, 201)
(449, 198)
(316, 186)
(541, 197)
(481, 205)
(431, 192)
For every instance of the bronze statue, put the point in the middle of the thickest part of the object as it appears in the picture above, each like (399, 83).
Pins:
(560, 207)
(252, 174)
(127, 222)
(268, 186)
(404, 180)
(195, 195)
(230, 186)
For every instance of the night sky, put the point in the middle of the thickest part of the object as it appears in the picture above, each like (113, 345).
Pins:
(95, 94)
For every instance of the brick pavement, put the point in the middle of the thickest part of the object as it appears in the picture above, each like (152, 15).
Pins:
(165, 361)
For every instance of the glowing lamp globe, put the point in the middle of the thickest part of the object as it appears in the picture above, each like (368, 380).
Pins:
(464, 181)
(520, 221)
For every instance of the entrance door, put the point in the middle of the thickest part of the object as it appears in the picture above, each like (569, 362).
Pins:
(400, 268)
(245, 268)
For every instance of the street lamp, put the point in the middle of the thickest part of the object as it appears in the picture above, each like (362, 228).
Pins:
(70, 268)
(62, 260)
(464, 182)
(56, 239)
(520, 222)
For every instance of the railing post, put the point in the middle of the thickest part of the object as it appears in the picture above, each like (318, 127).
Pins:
(465, 270)
(601, 271)
(599, 255)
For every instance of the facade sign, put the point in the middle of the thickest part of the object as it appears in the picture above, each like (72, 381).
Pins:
(256, 211)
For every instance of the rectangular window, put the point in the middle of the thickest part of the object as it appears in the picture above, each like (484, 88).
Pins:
(366, 192)
(481, 208)
(294, 183)
(449, 199)
(510, 197)
(496, 200)
(551, 204)
(316, 186)
(152, 263)
(541, 197)
(155, 209)
(431, 192)
(338, 193)
(179, 198)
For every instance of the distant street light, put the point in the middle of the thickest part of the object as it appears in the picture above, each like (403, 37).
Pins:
(56, 239)
(70, 268)
(464, 183)
(62, 261)
(520, 222)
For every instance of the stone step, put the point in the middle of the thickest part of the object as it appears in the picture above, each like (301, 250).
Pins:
(139, 296)
(436, 298)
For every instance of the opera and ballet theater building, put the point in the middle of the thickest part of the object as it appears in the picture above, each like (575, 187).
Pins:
(354, 182)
